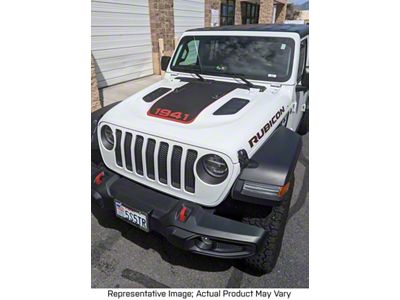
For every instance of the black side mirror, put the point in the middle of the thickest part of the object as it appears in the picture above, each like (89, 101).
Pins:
(301, 88)
(304, 87)
(164, 62)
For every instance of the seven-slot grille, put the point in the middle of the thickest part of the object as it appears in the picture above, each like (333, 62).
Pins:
(155, 159)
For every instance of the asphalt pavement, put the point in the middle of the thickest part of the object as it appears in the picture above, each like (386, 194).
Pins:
(126, 257)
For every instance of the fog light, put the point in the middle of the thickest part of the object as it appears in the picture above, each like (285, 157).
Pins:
(204, 243)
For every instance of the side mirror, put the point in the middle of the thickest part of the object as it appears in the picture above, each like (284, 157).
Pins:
(301, 88)
(164, 62)
(304, 87)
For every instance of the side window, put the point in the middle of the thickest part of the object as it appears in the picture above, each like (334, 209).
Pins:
(302, 60)
(189, 55)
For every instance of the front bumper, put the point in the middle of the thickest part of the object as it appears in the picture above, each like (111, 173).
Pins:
(230, 239)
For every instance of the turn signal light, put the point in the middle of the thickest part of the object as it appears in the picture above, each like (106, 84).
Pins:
(283, 189)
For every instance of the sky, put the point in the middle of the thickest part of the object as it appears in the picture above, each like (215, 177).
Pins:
(297, 1)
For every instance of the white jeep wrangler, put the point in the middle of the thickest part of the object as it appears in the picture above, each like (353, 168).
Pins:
(206, 156)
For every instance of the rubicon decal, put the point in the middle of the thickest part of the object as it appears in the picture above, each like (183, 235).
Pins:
(258, 136)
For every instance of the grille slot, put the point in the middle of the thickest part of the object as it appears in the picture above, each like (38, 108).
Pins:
(138, 154)
(162, 162)
(118, 156)
(128, 152)
(189, 173)
(176, 166)
(151, 145)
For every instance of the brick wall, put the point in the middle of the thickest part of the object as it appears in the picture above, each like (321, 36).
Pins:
(281, 13)
(238, 12)
(266, 11)
(95, 91)
(162, 26)
(210, 4)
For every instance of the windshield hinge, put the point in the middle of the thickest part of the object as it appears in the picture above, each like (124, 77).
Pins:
(276, 85)
(294, 107)
(243, 158)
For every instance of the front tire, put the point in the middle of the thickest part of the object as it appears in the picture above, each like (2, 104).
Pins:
(274, 224)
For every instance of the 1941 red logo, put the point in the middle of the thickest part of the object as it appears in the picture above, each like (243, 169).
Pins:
(167, 113)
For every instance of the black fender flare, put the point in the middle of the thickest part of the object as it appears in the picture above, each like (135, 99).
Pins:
(270, 168)
(95, 118)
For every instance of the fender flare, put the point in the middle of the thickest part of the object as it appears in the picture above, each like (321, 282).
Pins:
(270, 168)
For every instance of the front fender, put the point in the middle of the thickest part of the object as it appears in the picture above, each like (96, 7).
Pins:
(270, 168)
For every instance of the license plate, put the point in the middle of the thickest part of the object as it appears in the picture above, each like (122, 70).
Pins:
(132, 216)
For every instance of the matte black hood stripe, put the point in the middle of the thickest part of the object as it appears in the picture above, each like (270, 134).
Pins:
(184, 104)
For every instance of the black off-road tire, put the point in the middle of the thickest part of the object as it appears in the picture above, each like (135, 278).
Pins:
(274, 224)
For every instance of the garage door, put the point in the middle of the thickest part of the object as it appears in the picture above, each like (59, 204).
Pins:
(188, 14)
(121, 40)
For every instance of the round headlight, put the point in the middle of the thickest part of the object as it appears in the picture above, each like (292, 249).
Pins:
(215, 165)
(107, 137)
(212, 169)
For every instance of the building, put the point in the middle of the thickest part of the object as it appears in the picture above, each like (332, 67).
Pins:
(304, 15)
(129, 36)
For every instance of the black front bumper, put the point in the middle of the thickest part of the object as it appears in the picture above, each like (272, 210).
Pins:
(230, 239)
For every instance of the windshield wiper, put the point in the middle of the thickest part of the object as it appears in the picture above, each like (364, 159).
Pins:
(199, 76)
(198, 58)
(242, 78)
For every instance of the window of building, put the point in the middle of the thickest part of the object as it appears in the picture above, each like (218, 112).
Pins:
(250, 12)
(227, 12)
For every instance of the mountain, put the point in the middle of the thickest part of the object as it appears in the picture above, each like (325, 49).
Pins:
(301, 4)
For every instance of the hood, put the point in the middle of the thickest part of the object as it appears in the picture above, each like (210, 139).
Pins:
(216, 115)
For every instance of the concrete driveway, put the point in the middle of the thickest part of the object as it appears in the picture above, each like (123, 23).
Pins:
(122, 91)
(123, 256)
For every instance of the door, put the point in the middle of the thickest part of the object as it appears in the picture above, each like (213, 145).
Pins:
(301, 97)
(121, 40)
(188, 14)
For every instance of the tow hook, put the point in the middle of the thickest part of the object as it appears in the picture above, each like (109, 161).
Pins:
(99, 178)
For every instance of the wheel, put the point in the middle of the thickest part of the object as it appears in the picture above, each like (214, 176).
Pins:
(274, 224)
(303, 126)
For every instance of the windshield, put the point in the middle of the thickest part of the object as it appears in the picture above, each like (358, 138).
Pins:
(260, 58)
